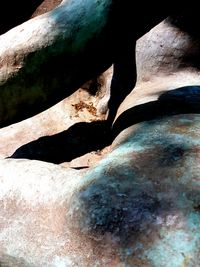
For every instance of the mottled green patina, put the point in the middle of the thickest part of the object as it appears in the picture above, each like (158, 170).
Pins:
(47, 58)
(143, 199)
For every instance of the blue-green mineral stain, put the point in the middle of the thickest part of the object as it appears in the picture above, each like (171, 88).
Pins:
(147, 200)
(178, 247)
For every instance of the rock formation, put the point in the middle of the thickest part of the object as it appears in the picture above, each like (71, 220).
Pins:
(139, 205)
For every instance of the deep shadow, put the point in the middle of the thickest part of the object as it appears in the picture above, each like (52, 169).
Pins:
(125, 74)
(123, 80)
(107, 47)
(76, 141)
(186, 18)
(16, 12)
(183, 100)
(84, 137)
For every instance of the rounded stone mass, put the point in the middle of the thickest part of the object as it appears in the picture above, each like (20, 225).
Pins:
(143, 199)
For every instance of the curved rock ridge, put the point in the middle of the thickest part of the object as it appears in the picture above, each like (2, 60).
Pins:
(140, 204)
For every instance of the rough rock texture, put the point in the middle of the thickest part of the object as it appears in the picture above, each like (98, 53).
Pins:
(84, 110)
(137, 207)
(47, 58)
(45, 6)
(167, 58)
(142, 200)
(89, 103)
(44, 59)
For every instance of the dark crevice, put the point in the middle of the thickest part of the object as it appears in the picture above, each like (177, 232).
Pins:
(182, 100)
(84, 137)
(79, 139)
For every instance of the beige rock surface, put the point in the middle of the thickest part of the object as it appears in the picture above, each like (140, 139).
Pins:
(164, 62)
(52, 216)
(81, 106)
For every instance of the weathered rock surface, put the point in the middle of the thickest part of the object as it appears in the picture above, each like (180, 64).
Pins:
(59, 128)
(167, 58)
(45, 6)
(47, 58)
(42, 54)
(138, 206)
